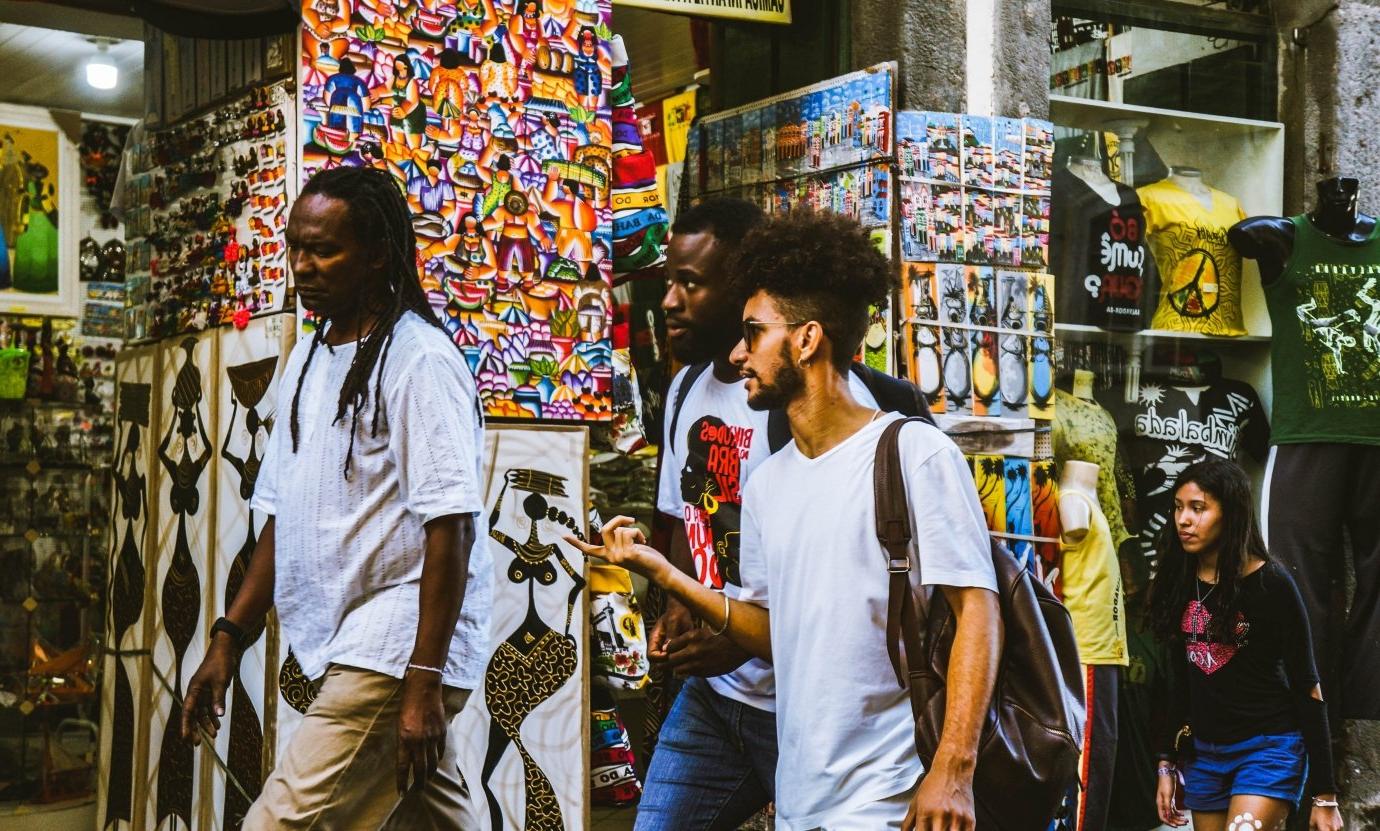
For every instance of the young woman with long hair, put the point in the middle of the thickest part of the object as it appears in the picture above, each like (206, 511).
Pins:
(1258, 725)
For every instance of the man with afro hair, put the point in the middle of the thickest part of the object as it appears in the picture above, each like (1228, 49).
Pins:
(814, 587)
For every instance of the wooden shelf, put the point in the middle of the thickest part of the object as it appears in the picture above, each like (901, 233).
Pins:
(1085, 332)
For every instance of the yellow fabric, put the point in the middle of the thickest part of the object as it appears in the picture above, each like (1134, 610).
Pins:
(1092, 589)
(607, 577)
(1200, 273)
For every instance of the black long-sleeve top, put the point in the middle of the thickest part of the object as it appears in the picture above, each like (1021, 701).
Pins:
(1260, 681)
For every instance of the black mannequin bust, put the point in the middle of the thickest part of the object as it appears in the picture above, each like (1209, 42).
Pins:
(1269, 240)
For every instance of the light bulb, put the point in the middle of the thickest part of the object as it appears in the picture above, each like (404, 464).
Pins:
(101, 71)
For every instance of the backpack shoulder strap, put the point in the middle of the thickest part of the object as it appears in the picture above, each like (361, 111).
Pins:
(894, 532)
(692, 374)
(894, 395)
(778, 430)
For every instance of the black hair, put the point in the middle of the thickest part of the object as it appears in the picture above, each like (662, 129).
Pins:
(817, 266)
(726, 218)
(1176, 581)
(347, 66)
(377, 212)
(450, 59)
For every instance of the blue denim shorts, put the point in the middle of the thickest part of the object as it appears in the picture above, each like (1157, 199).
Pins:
(1271, 766)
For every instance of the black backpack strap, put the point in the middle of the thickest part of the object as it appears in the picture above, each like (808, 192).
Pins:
(894, 395)
(778, 430)
(692, 374)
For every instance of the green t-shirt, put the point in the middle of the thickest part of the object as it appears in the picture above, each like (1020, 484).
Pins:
(1325, 352)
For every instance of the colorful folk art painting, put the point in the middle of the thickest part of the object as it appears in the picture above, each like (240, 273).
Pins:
(522, 737)
(1044, 505)
(493, 115)
(126, 664)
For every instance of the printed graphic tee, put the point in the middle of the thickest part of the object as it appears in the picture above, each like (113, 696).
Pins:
(810, 553)
(1084, 432)
(718, 443)
(1248, 683)
(1325, 353)
(1167, 428)
(1100, 255)
(1199, 271)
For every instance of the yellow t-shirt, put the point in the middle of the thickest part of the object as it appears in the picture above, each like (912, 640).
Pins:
(1200, 273)
(1092, 590)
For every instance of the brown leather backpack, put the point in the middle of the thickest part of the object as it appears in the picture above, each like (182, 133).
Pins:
(1028, 753)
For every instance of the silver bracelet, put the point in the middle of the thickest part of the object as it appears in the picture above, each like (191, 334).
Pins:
(425, 668)
(727, 610)
(1325, 803)
(1164, 771)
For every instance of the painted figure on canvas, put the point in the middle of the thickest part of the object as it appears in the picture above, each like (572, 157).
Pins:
(185, 453)
(126, 593)
(535, 661)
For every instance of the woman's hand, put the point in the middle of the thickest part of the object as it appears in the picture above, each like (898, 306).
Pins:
(1325, 819)
(1164, 800)
(624, 545)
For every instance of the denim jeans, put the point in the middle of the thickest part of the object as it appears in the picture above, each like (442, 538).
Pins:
(714, 766)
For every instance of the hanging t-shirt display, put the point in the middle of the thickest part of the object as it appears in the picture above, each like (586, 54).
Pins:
(1100, 253)
(1325, 354)
(1167, 428)
(1199, 271)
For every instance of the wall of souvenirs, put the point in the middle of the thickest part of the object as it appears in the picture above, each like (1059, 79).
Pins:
(205, 208)
(962, 203)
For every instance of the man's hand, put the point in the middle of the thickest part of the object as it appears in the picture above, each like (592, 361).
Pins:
(697, 652)
(943, 802)
(674, 622)
(421, 728)
(205, 701)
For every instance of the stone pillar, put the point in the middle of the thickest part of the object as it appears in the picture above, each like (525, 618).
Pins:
(938, 41)
(928, 40)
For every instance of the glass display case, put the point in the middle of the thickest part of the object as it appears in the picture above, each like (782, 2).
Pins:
(54, 485)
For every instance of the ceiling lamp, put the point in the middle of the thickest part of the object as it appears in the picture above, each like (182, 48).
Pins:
(101, 72)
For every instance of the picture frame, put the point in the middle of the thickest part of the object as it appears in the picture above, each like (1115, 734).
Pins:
(43, 250)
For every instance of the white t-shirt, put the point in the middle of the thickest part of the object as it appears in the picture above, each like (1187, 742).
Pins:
(845, 732)
(719, 442)
(349, 552)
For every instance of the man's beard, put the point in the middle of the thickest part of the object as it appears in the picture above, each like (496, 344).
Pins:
(784, 388)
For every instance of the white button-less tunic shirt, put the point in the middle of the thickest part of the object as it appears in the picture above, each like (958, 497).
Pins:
(349, 552)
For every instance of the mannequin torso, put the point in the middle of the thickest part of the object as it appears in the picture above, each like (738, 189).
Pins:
(1075, 515)
(1090, 171)
(1191, 180)
(1269, 240)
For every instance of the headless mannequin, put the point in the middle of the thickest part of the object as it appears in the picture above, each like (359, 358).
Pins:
(1075, 515)
(1269, 240)
(1090, 171)
(1190, 179)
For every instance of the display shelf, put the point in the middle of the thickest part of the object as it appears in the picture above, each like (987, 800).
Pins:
(1080, 330)
(1242, 157)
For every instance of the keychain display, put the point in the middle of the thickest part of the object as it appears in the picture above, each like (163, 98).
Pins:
(208, 209)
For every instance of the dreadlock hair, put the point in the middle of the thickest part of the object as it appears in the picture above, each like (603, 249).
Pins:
(379, 213)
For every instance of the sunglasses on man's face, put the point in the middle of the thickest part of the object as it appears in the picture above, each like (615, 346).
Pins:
(752, 329)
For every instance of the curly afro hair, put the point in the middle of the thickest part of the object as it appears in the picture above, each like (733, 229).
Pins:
(817, 266)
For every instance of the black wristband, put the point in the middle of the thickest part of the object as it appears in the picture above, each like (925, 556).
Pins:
(229, 627)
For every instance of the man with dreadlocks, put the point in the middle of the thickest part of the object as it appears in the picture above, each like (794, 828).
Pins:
(373, 551)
